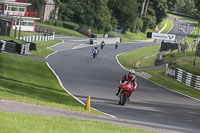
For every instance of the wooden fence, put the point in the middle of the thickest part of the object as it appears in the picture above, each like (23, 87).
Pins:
(45, 30)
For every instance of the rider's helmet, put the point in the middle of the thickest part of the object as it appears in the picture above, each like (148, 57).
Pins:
(131, 73)
(95, 47)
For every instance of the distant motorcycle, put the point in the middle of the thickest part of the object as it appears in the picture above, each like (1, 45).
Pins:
(116, 45)
(125, 92)
(94, 54)
(102, 44)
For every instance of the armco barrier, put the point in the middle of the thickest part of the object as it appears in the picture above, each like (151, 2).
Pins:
(37, 38)
(184, 77)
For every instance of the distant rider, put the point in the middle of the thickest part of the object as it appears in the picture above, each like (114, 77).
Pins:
(116, 45)
(130, 78)
(102, 44)
(95, 50)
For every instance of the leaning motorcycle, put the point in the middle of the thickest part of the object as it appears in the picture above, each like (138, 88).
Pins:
(116, 45)
(125, 92)
(94, 54)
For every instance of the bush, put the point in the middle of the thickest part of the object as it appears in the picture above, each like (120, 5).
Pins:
(68, 25)
(85, 27)
(71, 25)
(59, 23)
(138, 25)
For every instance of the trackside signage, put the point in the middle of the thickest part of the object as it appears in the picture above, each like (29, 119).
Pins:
(167, 37)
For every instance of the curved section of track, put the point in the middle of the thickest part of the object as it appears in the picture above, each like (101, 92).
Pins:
(150, 105)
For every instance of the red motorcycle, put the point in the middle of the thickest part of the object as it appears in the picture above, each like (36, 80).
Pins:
(125, 92)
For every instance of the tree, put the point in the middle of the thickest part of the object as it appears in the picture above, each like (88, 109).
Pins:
(88, 13)
(197, 6)
(125, 11)
(160, 8)
(143, 7)
(36, 4)
(171, 4)
(102, 16)
(146, 7)
(186, 7)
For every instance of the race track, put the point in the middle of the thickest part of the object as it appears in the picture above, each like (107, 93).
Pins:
(150, 105)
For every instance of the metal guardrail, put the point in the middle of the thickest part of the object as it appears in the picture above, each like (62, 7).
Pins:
(184, 77)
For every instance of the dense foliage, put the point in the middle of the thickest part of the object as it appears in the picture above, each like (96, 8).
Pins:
(197, 5)
(36, 4)
(129, 15)
(106, 15)
(189, 7)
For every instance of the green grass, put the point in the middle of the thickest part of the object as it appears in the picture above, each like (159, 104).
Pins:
(23, 123)
(146, 56)
(42, 50)
(162, 24)
(24, 33)
(159, 77)
(128, 41)
(168, 27)
(184, 61)
(31, 81)
(134, 37)
(6, 38)
(63, 31)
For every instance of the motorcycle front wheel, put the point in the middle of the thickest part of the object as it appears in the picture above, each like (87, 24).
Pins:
(94, 55)
(124, 98)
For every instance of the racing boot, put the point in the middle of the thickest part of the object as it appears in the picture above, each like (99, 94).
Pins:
(118, 91)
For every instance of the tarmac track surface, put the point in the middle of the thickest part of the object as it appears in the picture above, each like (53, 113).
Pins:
(151, 104)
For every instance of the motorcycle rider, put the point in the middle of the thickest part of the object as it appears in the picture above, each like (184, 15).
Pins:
(116, 45)
(102, 44)
(95, 50)
(130, 78)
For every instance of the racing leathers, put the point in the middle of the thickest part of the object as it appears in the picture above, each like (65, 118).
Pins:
(127, 79)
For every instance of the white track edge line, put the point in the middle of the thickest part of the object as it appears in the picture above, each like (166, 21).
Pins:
(171, 27)
(60, 82)
(155, 82)
(56, 44)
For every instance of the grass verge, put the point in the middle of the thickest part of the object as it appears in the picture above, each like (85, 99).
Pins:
(42, 50)
(6, 38)
(31, 81)
(131, 37)
(158, 76)
(146, 58)
(184, 61)
(63, 31)
(22, 123)
(168, 27)
(143, 57)
(162, 24)
(24, 33)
